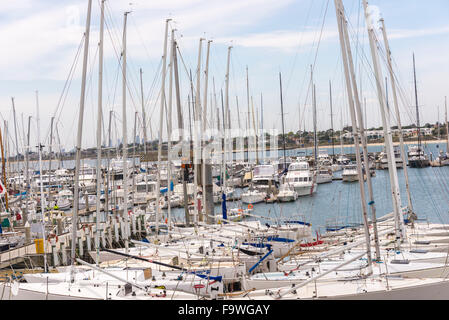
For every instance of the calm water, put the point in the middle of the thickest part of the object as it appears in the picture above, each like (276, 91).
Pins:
(339, 202)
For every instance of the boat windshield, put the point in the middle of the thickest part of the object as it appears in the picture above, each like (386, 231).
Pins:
(263, 171)
(299, 166)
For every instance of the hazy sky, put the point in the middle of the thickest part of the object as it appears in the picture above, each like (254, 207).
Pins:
(40, 40)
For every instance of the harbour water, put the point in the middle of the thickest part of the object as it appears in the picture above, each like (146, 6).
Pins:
(338, 203)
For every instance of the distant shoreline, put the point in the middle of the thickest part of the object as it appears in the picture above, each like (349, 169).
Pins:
(336, 147)
(377, 144)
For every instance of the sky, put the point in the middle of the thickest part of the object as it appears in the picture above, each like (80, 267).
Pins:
(42, 40)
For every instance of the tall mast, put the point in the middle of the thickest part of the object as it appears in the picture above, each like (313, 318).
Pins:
(27, 175)
(417, 106)
(238, 110)
(255, 128)
(196, 140)
(181, 137)
(248, 127)
(40, 147)
(203, 158)
(106, 194)
(315, 136)
(99, 128)
(125, 137)
(191, 105)
(15, 133)
(169, 128)
(2, 146)
(78, 144)
(332, 118)
(206, 77)
(144, 126)
(344, 50)
(361, 128)
(385, 115)
(262, 137)
(282, 117)
(49, 162)
(315, 150)
(161, 126)
(447, 125)
(228, 122)
(223, 158)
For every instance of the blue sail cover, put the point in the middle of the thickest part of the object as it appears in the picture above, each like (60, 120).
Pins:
(223, 206)
(165, 190)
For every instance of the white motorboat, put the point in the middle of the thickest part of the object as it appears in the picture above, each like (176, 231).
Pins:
(324, 175)
(265, 178)
(65, 199)
(253, 196)
(301, 178)
(383, 159)
(417, 158)
(350, 173)
(340, 162)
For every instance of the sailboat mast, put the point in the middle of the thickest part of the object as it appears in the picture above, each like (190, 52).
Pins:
(315, 136)
(361, 132)
(262, 133)
(447, 125)
(181, 137)
(2, 146)
(125, 138)
(15, 133)
(40, 146)
(203, 157)
(27, 174)
(99, 128)
(161, 126)
(78, 144)
(282, 117)
(385, 115)
(169, 128)
(49, 156)
(397, 113)
(227, 128)
(196, 138)
(248, 126)
(344, 51)
(332, 119)
(417, 106)
(144, 116)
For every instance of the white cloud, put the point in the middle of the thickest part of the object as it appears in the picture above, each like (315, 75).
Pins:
(281, 39)
(403, 34)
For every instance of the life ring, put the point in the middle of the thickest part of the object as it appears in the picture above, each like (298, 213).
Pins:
(240, 210)
(250, 206)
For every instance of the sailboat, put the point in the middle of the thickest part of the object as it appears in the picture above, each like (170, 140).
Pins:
(416, 156)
